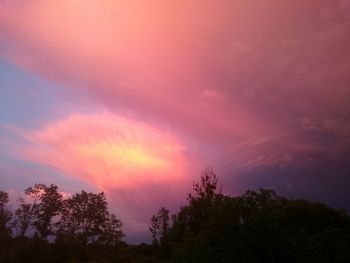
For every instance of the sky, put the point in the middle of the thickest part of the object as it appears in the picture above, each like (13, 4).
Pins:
(135, 98)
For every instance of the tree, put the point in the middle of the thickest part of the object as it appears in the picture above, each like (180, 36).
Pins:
(206, 187)
(159, 228)
(48, 208)
(85, 219)
(5, 217)
(44, 203)
(85, 231)
(159, 225)
(201, 201)
(258, 226)
(112, 233)
(24, 215)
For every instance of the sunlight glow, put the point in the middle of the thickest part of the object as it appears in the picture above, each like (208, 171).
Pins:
(123, 155)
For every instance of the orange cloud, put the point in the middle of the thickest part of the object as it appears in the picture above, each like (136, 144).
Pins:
(107, 151)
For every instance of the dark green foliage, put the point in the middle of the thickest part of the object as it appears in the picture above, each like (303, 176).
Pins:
(256, 227)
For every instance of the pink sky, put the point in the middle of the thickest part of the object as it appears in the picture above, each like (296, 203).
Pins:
(175, 86)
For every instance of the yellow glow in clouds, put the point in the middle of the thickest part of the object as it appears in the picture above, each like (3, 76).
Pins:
(107, 150)
(127, 155)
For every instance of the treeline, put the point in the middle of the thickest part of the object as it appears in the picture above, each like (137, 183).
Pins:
(48, 228)
(255, 227)
(212, 227)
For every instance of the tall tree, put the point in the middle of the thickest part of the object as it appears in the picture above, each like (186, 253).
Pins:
(159, 225)
(49, 207)
(5, 231)
(41, 205)
(5, 217)
(24, 215)
(112, 233)
(85, 219)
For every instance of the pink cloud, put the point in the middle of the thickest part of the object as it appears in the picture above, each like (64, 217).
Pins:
(234, 77)
(133, 162)
(106, 150)
(141, 61)
(249, 83)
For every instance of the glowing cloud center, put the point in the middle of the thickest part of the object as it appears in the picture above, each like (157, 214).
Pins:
(128, 155)
(107, 150)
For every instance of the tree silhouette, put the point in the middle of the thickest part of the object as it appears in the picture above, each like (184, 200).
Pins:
(83, 227)
(5, 217)
(85, 219)
(259, 226)
(206, 187)
(24, 215)
(159, 228)
(49, 207)
(159, 225)
(5, 231)
(42, 205)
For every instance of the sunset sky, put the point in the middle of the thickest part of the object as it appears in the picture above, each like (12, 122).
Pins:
(135, 98)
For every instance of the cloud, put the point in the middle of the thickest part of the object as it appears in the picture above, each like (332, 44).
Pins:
(131, 161)
(221, 72)
(244, 84)
(106, 150)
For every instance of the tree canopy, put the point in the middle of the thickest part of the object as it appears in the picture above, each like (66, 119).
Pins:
(46, 224)
(258, 226)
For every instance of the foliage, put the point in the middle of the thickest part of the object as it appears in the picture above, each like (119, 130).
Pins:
(258, 226)
(206, 187)
(48, 208)
(159, 225)
(85, 219)
(5, 217)
(50, 229)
